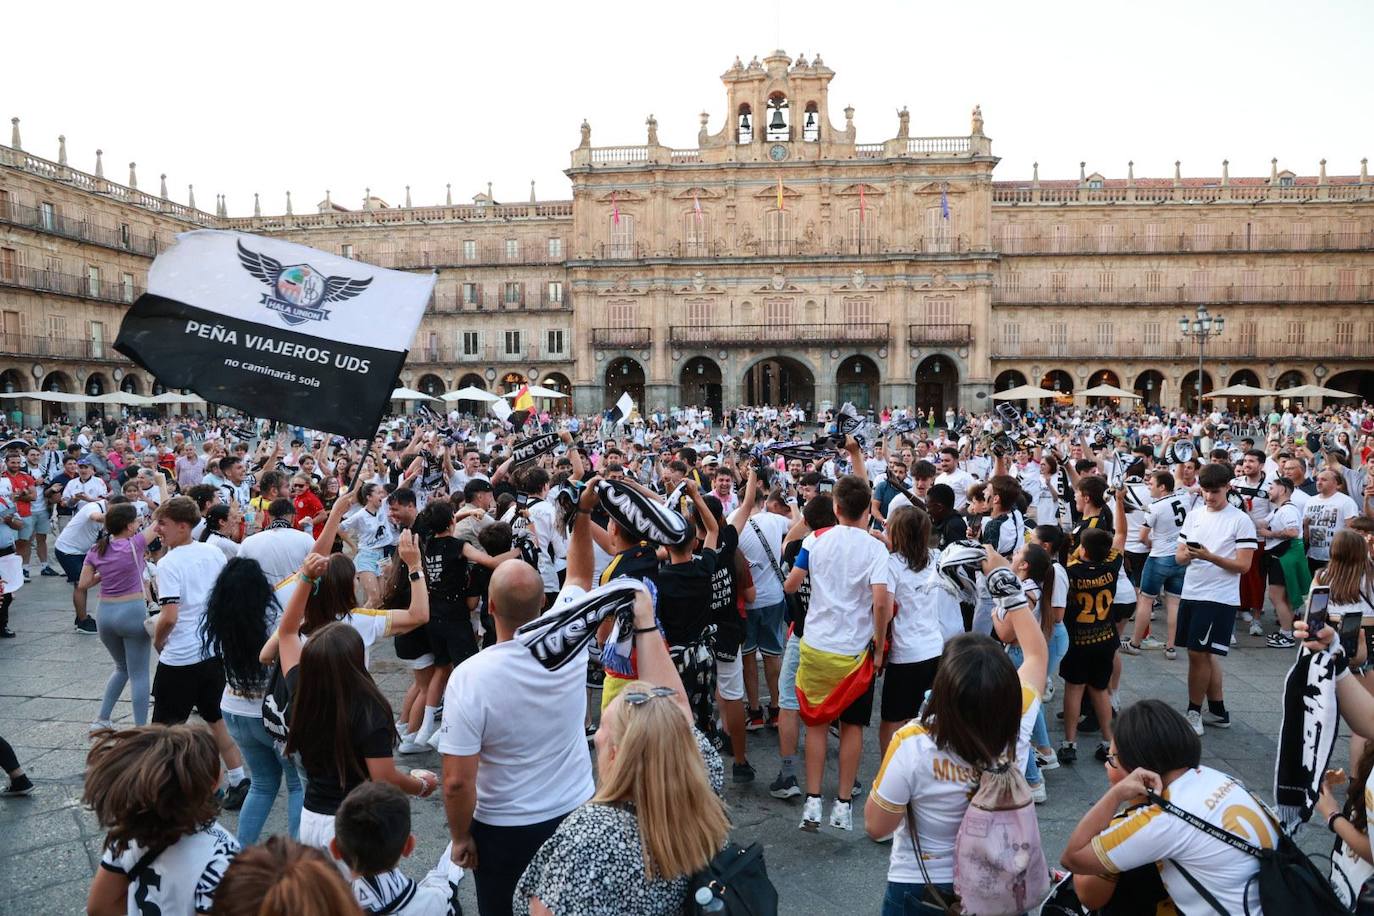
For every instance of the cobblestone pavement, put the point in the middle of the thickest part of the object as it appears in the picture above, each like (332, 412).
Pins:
(51, 679)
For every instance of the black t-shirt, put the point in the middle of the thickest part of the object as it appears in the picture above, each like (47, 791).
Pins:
(684, 598)
(639, 562)
(800, 600)
(58, 483)
(952, 529)
(1103, 521)
(725, 594)
(1092, 589)
(371, 734)
(446, 574)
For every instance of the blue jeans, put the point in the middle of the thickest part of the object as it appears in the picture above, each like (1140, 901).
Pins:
(267, 768)
(905, 899)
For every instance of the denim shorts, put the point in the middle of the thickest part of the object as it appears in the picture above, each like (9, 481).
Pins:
(764, 629)
(368, 561)
(1162, 573)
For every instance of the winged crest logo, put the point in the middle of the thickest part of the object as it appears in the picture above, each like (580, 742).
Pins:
(298, 291)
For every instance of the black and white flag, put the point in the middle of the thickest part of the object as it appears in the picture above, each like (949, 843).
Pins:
(622, 409)
(276, 329)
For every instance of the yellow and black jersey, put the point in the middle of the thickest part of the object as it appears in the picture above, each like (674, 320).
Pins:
(1092, 589)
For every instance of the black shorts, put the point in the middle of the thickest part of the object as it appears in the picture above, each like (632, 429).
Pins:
(860, 712)
(413, 645)
(179, 689)
(1274, 570)
(451, 641)
(1089, 665)
(1122, 612)
(904, 687)
(1205, 626)
(1135, 565)
(1313, 566)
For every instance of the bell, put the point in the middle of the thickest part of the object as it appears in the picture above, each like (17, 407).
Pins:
(744, 121)
(777, 123)
(810, 119)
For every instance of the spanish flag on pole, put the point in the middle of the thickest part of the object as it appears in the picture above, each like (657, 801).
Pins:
(828, 682)
(781, 204)
(523, 401)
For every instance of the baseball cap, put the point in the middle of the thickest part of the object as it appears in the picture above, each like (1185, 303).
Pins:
(710, 460)
(474, 486)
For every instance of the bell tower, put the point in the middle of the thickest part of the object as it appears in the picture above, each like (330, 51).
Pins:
(778, 100)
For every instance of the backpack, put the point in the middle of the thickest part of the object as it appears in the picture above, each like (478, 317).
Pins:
(1288, 880)
(999, 861)
(737, 878)
(276, 706)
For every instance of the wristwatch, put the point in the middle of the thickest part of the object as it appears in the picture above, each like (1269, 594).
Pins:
(415, 576)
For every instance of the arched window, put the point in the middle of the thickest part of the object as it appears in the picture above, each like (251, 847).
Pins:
(779, 118)
(744, 130)
(811, 126)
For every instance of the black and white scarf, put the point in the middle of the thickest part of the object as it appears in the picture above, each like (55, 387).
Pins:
(1307, 736)
(558, 636)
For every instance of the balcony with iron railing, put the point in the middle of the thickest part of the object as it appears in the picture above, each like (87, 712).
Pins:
(849, 246)
(622, 338)
(1170, 295)
(754, 335)
(397, 216)
(49, 281)
(81, 230)
(48, 347)
(445, 354)
(596, 158)
(939, 335)
(495, 301)
(1180, 192)
(1135, 347)
(1186, 243)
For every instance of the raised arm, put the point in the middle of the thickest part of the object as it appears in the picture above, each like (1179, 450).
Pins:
(1119, 513)
(741, 515)
(324, 541)
(708, 518)
(289, 629)
(581, 557)
(417, 614)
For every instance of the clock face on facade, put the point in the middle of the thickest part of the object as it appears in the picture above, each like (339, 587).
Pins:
(777, 152)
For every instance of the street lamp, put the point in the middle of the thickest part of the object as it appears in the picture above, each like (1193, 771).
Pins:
(1201, 328)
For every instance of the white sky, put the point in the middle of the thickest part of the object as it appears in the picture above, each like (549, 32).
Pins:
(267, 97)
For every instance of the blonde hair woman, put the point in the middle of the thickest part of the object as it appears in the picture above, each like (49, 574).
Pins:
(656, 818)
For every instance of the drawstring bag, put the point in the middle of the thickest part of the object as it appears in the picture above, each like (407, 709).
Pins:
(999, 862)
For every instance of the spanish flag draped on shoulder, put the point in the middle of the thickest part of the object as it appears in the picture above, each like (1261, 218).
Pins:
(828, 682)
(275, 329)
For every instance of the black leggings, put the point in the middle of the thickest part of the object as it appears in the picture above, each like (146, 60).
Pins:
(8, 761)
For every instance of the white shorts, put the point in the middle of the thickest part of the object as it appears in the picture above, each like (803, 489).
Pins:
(730, 678)
(317, 830)
(421, 663)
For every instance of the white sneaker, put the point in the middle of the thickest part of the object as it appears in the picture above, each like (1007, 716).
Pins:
(1049, 690)
(1039, 794)
(1149, 642)
(100, 725)
(1048, 761)
(842, 815)
(1256, 629)
(1233, 638)
(433, 740)
(811, 812)
(1194, 721)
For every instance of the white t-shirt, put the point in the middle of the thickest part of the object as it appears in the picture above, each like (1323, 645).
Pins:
(843, 567)
(372, 531)
(1281, 519)
(959, 481)
(525, 724)
(80, 533)
(93, 487)
(1223, 533)
(553, 546)
(228, 546)
(1150, 836)
(1135, 518)
(185, 577)
(920, 603)
(279, 551)
(1059, 595)
(1164, 517)
(1256, 496)
(938, 784)
(767, 585)
(184, 876)
(1324, 516)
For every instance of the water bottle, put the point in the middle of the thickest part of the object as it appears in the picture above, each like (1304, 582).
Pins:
(708, 902)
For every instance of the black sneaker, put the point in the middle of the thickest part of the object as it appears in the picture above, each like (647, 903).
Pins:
(784, 787)
(1089, 722)
(754, 720)
(1217, 720)
(233, 797)
(742, 772)
(7, 633)
(1067, 753)
(772, 717)
(1103, 749)
(18, 787)
(47, 571)
(86, 625)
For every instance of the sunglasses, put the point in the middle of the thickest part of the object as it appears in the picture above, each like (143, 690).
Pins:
(639, 697)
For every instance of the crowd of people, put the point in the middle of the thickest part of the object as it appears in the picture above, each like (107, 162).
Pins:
(593, 622)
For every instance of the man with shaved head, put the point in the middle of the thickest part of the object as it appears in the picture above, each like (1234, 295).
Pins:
(515, 753)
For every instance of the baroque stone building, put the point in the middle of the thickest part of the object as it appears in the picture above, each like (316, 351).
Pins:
(779, 260)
